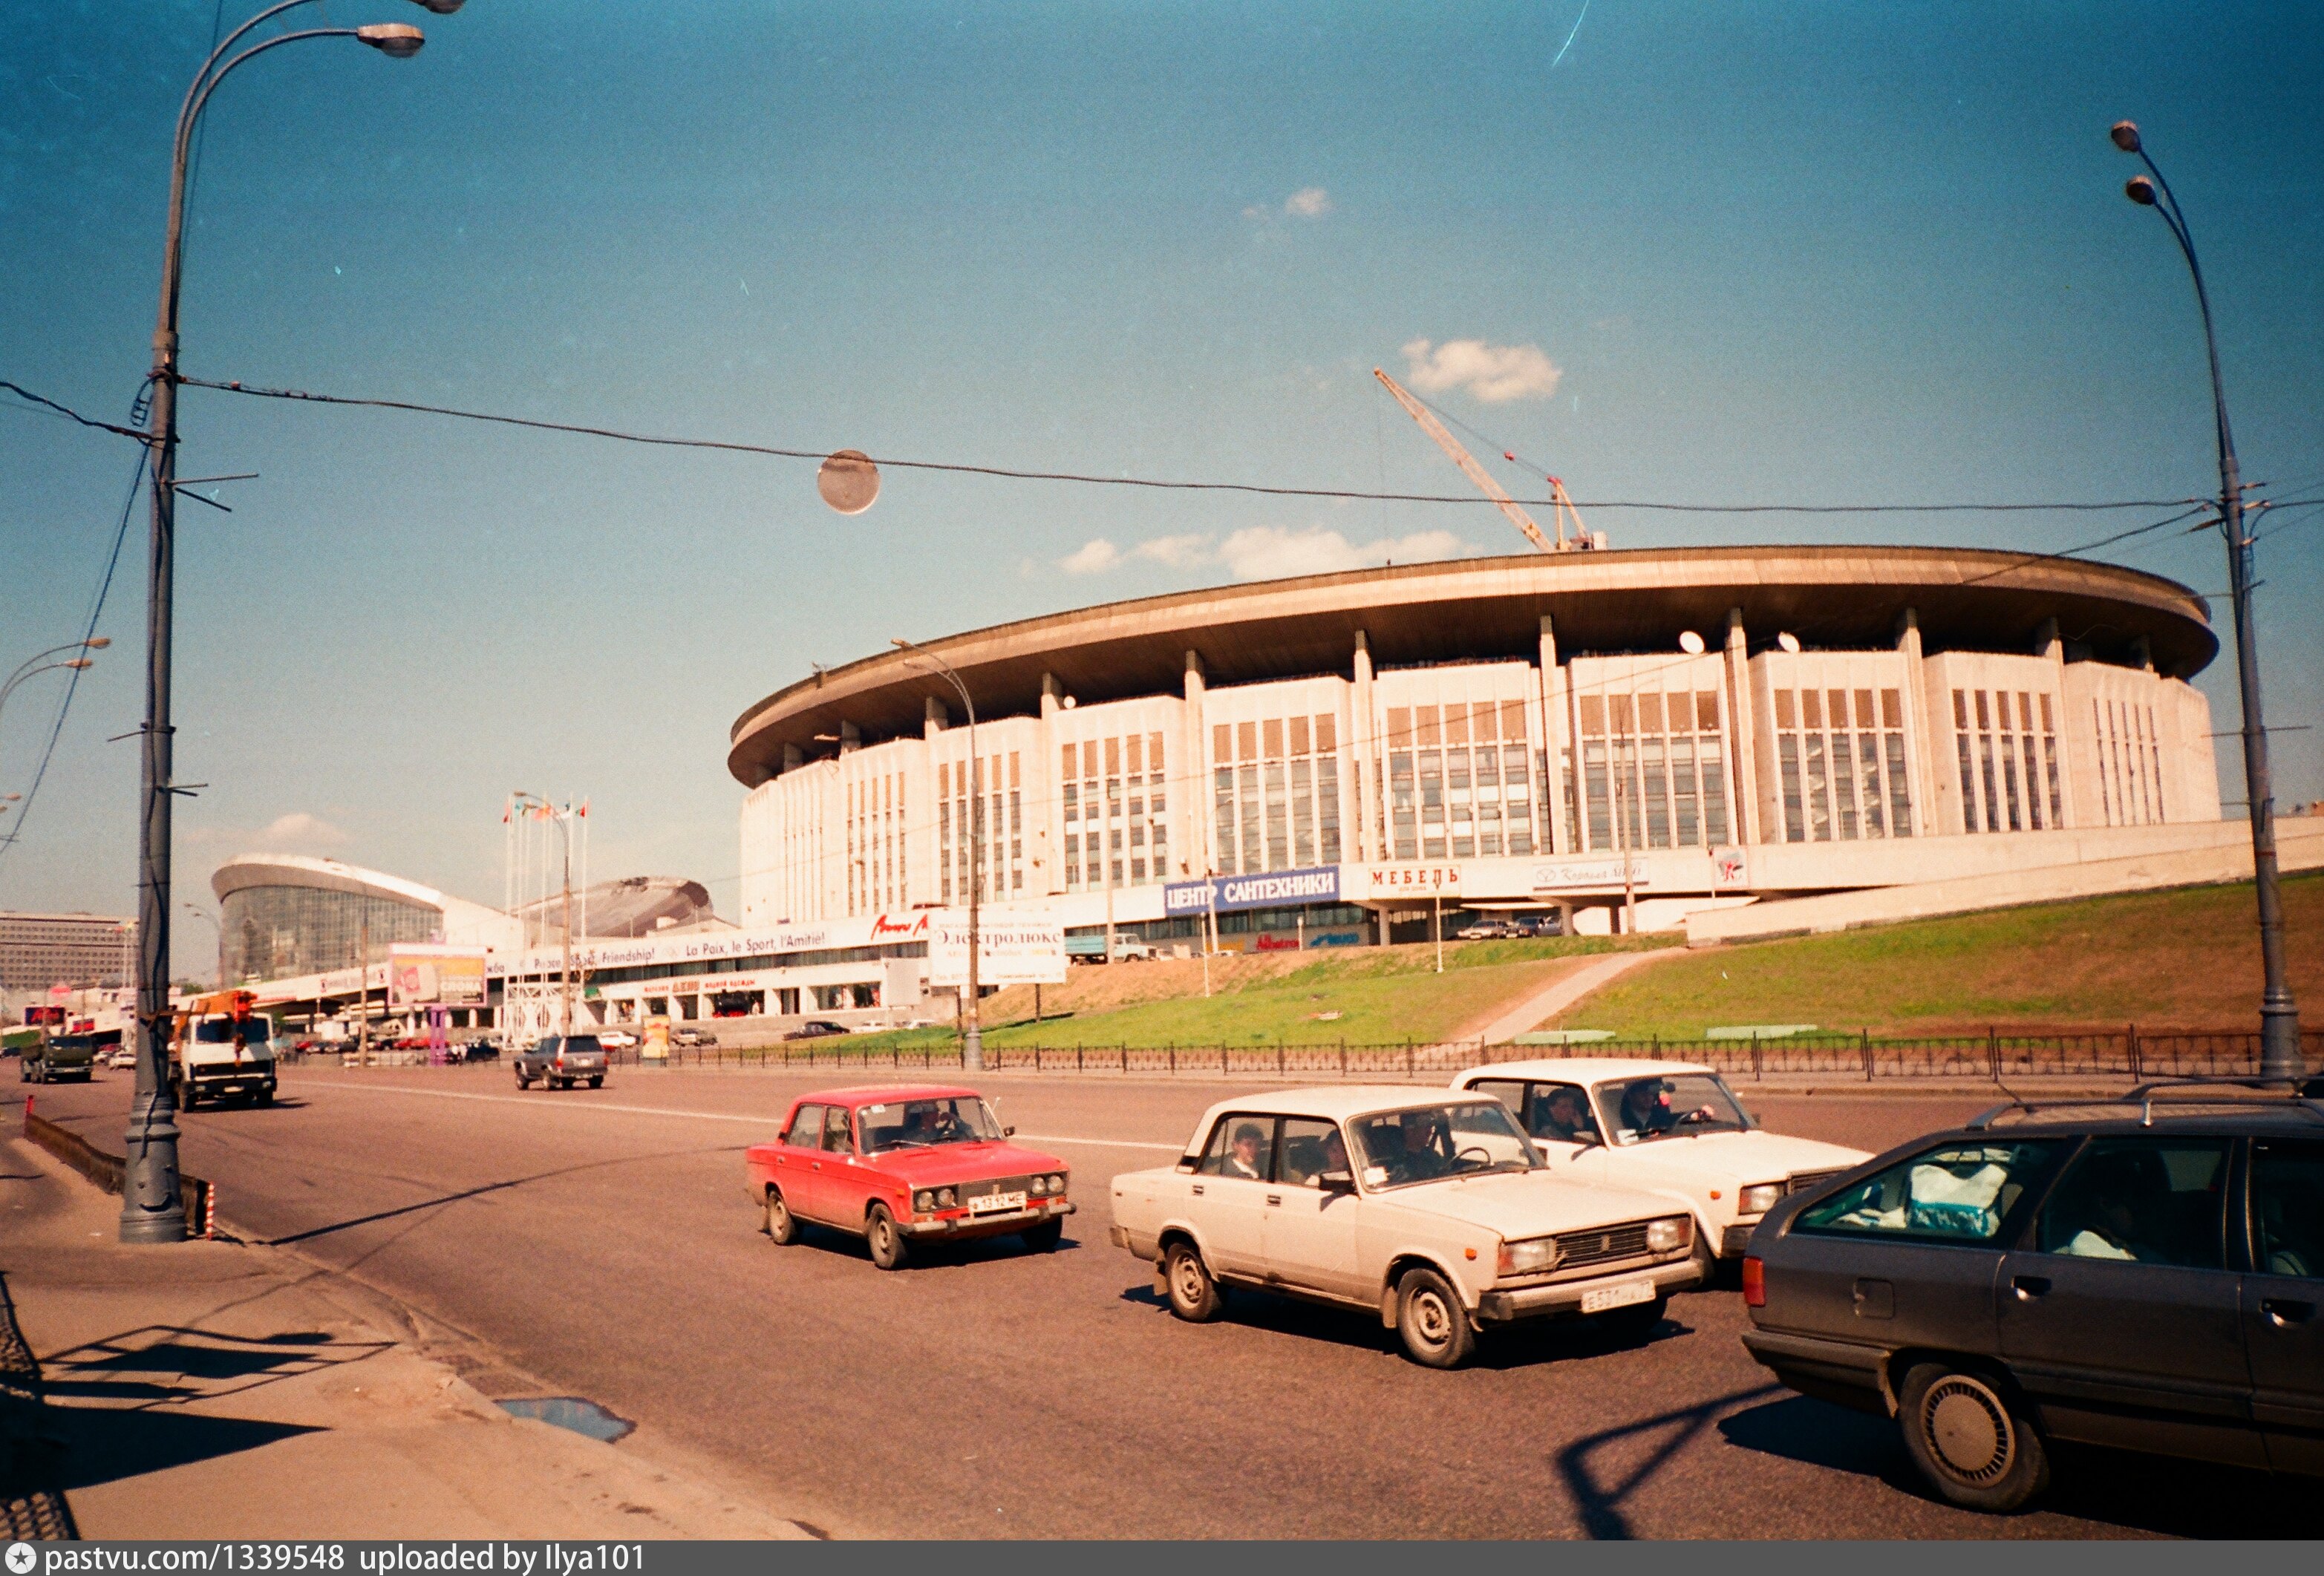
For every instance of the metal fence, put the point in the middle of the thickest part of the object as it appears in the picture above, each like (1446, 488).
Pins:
(2128, 1052)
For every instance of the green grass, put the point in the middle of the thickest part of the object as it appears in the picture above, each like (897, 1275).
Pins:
(2187, 958)
(1383, 996)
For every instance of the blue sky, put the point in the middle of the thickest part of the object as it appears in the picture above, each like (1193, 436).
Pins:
(1720, 253)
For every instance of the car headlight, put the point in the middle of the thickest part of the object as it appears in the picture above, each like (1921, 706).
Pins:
(1040, 1184)
(924, 1201)
(1528, 1257)
(1057, 1182)
(1759, 1198)
(1670, 1233)
(946, 1198)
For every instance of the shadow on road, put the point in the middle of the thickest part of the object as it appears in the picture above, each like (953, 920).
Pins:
(483, 1189)
(2151, 1494)
(98, 1444)
(1598, 1493)
(166, 1364)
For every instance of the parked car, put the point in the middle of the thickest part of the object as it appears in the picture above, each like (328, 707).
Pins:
(903, 1164)
(481, 1049)
(1431, 1211)
(1669, 1128)
(559, 1062)
(58, 1058)
(2146, 1274)
(617, 1039)
(692, 1037)
(815, 1028)
(1486, 930)
(120, 1058)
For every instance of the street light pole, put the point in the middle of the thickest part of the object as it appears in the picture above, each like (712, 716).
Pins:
(972, 1033)
(150, 1208)
(2279, 1014)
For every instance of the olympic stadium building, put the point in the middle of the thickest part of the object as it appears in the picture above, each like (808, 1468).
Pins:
(1622, 737)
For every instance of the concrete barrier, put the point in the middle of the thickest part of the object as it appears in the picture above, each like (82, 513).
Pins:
(2299, 846)
(200, 1197)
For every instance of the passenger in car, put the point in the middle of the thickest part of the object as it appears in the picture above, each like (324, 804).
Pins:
(1560, 1112)
(1243, 1154)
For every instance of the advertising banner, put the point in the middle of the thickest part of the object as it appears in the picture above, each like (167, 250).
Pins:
(1406, 879)
(1282, 889)
(1012, 951)
(422, 975)
(1566, 875)
(1728, 868)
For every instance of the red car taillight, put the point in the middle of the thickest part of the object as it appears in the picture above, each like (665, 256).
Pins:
(1755, 1284)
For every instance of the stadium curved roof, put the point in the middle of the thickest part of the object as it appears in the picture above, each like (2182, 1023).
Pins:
(1485, 609)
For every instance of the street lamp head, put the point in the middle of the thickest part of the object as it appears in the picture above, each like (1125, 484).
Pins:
(79, 662)
(2140, 190)
(99, 644)
(2125, 135)
(441, 7)
(900, 643)
(397, 40)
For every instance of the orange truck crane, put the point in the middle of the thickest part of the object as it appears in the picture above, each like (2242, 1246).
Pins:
(221, 1047)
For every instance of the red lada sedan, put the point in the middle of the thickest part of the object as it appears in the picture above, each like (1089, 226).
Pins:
(908, 1163)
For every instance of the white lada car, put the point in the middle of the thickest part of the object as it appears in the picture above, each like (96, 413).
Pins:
(1431, 1210)
(1668, 1127)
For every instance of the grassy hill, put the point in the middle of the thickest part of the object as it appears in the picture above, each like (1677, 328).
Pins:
(1363, 996)
(2187, 958)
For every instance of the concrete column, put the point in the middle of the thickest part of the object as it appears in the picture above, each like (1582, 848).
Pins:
(793, 757)
(1920, 744)
(1191, 831)
(1743, 740)
(1046, 788)
(1556, 786)
(1362, 747)
(2049, 644)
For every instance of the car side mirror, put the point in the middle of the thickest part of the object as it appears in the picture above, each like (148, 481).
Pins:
(1009, 1132)
(1336, 1181)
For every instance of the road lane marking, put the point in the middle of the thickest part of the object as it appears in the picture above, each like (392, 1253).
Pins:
(539, 1103)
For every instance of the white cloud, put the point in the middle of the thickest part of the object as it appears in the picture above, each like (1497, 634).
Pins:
(1309, 202)
(299, 830)
(1094, 557)
(1179, 552)
(1272, 552)
(1494, 373)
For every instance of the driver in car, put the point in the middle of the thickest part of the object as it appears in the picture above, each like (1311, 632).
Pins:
(1422, 1155)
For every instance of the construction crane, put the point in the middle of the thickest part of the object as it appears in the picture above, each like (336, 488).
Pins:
(1562, 505)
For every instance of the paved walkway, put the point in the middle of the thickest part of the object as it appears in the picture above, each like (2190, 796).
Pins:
(1565, 990)
(217, 1390)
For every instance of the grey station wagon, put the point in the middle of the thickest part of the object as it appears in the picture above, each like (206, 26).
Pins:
(2146, 1273)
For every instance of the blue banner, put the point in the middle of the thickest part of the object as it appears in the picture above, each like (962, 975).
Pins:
(1283, 888)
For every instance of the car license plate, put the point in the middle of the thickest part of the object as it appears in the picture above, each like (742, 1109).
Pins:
(996, 1204)
(1617, 1296)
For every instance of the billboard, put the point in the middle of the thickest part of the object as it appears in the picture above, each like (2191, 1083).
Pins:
(1406, 879)
(1282, 889)
(1012, 951)
(421, 975)
(1587, 874)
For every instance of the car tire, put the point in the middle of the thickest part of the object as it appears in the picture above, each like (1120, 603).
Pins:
(1970, 1439)
(596, 1083)
(187, 1096)
(1193, 1295)
(1430, 1322)
(266, 1097)
(888, 1248)
(1045, 1237)
(521, 1081)
(1636, 1322)
(776, 1220)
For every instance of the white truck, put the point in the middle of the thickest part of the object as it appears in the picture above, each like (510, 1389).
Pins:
(222, 1048)
(1427, 1211)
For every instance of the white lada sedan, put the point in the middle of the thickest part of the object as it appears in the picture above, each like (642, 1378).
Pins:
(1433, 1211)
(1669, 1128)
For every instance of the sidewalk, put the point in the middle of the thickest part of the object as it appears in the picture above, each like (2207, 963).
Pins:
(218, 1390)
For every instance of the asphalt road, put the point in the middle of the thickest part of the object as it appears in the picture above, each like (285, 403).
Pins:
(599, 1243)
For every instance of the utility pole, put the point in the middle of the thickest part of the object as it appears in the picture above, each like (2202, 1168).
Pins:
(2280, 1054)
(362, 987)
(971, 1037)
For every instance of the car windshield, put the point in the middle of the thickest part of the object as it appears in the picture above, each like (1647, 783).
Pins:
(1670, 1105)
(922, 1124)
(1433, 1142)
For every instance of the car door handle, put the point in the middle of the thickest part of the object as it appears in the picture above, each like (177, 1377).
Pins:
(2029, 1286)
(1197, 1190)
(815, 1166)
(2283, 1312)
(1274, 1198)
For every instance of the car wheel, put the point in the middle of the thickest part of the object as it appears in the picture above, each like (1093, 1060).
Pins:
(1193, 1295)
(521, 1081)
(596, 1083)
(1973, 1444)
(1636, 1322)
(1431, 1321)
(187, 1097)
(1045, 1237)
(266, 1097)
(781, 1226)
(888, 1250)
